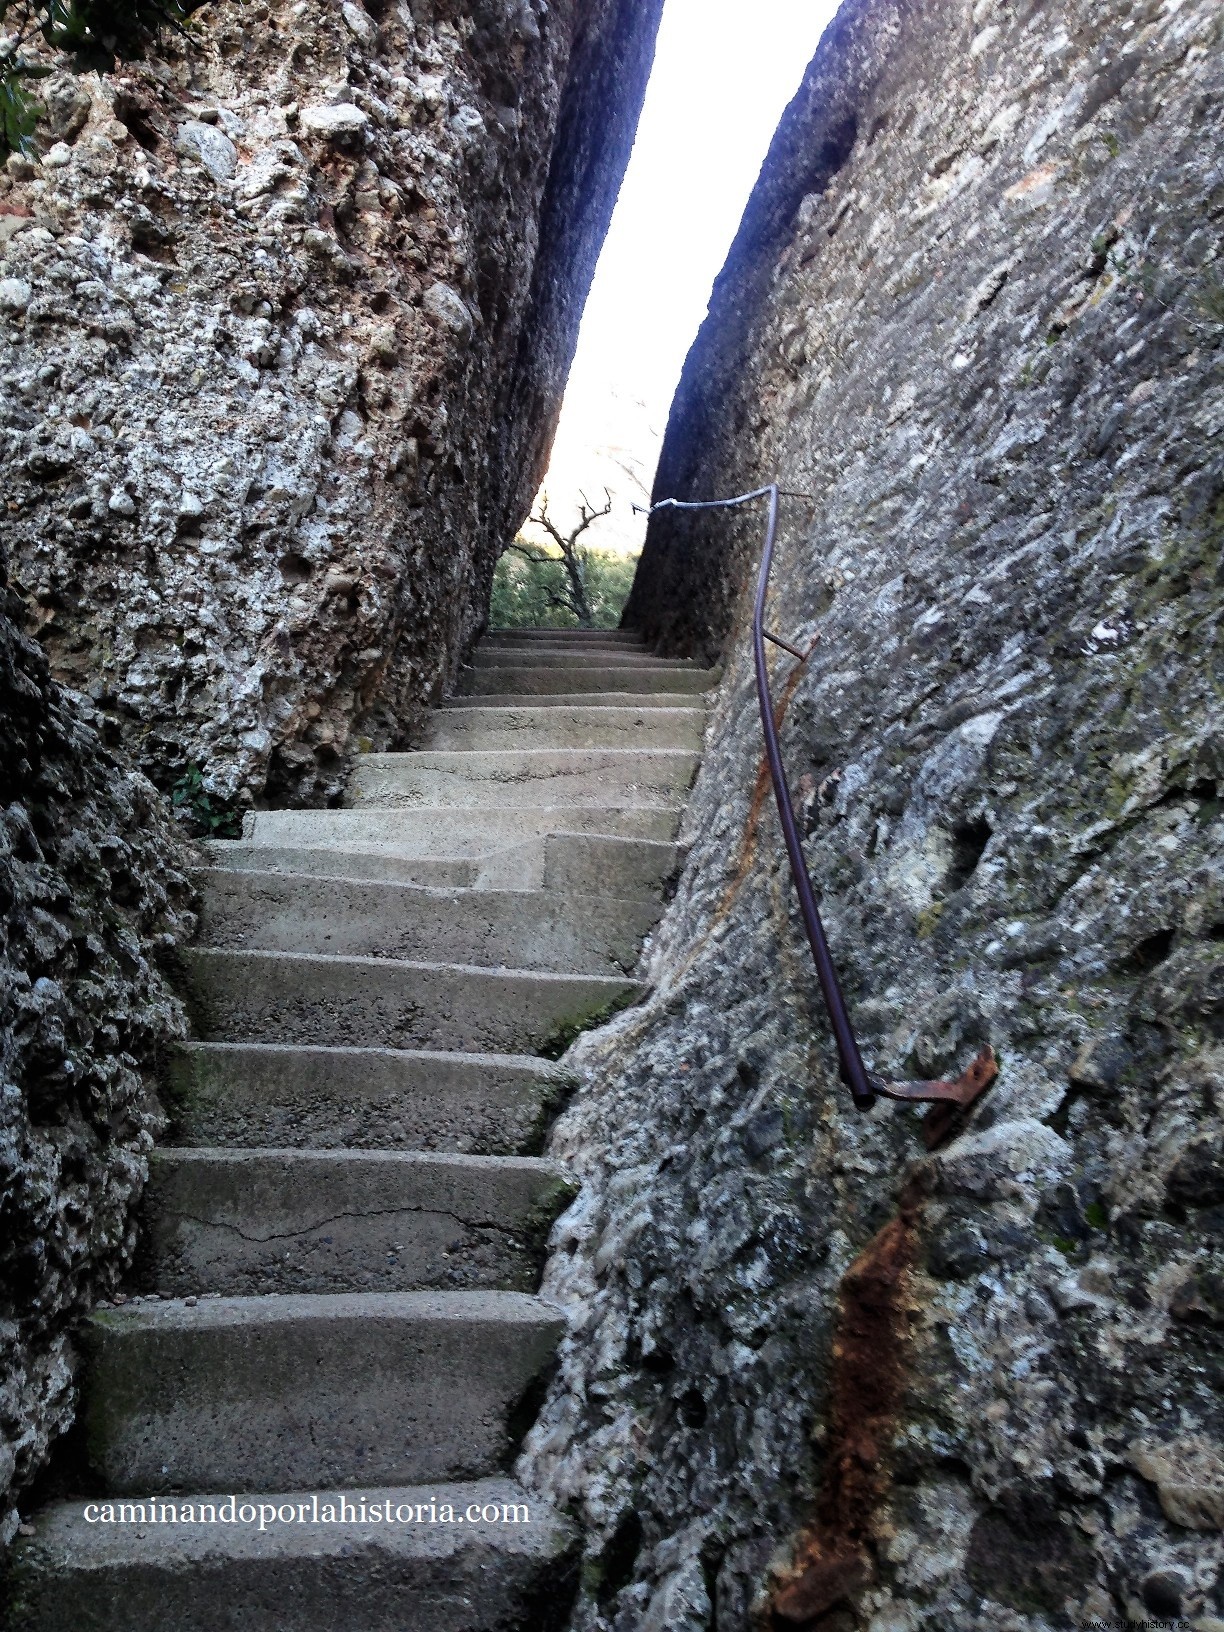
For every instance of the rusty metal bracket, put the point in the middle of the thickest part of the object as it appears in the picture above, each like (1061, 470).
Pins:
(950, 1099)
(787, 647)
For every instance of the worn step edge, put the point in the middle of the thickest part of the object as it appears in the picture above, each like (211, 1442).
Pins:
(598, 865)
(542, 636)
(564, 657)
(594, 648)
(446, 832)
(687, 702)
(367, 863)
(260, 1095)
(527, 930)
(502, 729)
(589, 678)
(301, 1388)
(547, 761)
(481, 1575)
(462, 778)
(292, 1220)
(238, 996)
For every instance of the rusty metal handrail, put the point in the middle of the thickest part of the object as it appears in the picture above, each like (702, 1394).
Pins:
(864, 1085)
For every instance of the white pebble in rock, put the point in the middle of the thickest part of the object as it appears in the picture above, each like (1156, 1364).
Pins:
(450, 308)
(55, 158)
(15, 294)
(341, 119)
(360, 22)
(191, 1301)
(211, 146)
(122, 504)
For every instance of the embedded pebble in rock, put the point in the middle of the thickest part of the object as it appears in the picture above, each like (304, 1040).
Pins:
(343, 119)
(976, 308)
(323, 273)
(212, 147)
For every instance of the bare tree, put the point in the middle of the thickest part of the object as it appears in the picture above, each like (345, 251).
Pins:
(572, 596)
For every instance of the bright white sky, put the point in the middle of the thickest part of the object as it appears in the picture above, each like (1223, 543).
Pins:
(723, 74)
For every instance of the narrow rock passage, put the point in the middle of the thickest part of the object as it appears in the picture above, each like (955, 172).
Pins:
(341, 1250)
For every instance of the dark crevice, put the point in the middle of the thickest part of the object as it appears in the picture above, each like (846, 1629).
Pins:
(136, 118)
(1150, 952)
(969, 840)
(620, 1557)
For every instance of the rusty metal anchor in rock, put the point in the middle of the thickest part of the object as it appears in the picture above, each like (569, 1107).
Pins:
(948, 1099)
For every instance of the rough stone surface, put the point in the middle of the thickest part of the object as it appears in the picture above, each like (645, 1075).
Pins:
(92, 900)
(816, 1377)
(288, 310)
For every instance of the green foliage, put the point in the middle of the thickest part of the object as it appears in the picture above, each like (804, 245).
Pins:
(526, 589)
(19, 110)
(93, 31)
(211, 817)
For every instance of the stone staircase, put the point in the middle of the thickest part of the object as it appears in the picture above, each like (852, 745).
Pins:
(336, 1289)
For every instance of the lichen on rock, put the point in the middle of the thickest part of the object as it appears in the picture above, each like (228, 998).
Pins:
(974, 309)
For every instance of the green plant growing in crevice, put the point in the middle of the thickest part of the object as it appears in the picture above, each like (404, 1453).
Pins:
(213, 818)
(93, 32)
(553, 1101)
(568, 1032)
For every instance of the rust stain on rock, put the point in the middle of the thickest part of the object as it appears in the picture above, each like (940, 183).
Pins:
(833, 1557)
(762, 789)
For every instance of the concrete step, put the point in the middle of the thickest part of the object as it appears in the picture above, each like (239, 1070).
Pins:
(580, 864)
(356, 861)
(281, 1095)
(594, 865)
(249, 1394)
(626, 869)
(523, 679)
(545, 776)
(500, 929)
(451, 833)
(565, 644)
(583, 726)
(251, 1221)
(546, 637)
(515, 1568)
(560, 700)
(283, 997)
(576, 657)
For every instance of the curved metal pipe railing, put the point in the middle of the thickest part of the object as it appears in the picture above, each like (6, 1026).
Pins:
(864, 1085)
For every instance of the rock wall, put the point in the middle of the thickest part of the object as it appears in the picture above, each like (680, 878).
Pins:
(92, 902)
(818, 1377)
(285, 316)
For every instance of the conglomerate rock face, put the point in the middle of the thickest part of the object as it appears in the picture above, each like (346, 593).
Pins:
(93, 899)
(285, 314)
(818, 1376)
